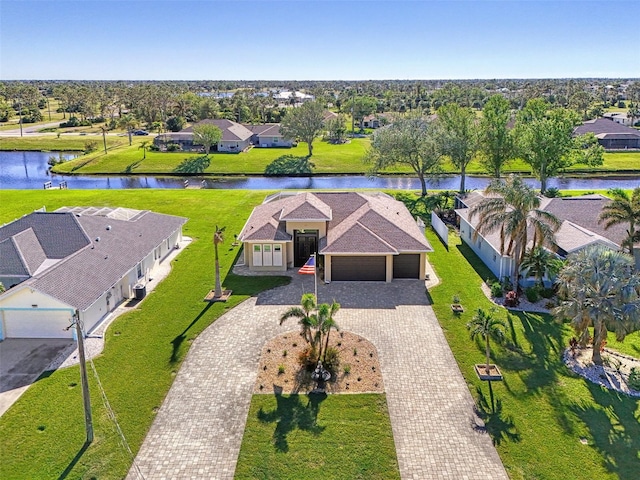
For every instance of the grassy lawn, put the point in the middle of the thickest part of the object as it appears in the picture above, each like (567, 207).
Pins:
(542, 409)
(63, 144)
(329, 437)
(42, 435)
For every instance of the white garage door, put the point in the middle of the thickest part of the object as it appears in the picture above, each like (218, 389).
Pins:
(37, 324)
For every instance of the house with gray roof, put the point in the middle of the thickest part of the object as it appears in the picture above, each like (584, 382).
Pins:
(580, 228)
(357, 236)
(236, 137)
(611, 135)
(85, 259)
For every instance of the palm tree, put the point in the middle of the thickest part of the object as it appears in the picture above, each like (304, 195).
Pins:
(218, 238)
(128, 122)
(538, 262)
(600, 288)
(486, 326)
(514, 211)
(325, 323)
(144, 145)
(306, 319)
(623, 209)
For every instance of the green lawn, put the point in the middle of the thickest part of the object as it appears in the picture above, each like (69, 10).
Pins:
(42, 435)
(315, 436)
(63, 144)
(542, 410)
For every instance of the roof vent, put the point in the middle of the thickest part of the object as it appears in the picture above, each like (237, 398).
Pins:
(108, 227)
(97, 239)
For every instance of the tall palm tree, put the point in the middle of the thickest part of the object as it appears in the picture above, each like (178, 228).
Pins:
(144, 145)
(128, 122)
(600, 288)
(326, 322)
(623, 209)
(538, 262)
(513, 210)
(218, 238)
(485, 325)
(306, 319)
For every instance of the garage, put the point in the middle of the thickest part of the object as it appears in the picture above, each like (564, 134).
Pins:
(37, 324)
(406, 266)
(365, 268)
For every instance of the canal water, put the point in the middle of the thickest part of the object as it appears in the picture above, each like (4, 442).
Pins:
(30, 170)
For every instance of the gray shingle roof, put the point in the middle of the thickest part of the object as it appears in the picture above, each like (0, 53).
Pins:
(602, 127)
(85, 274)
(231, 131)
(12, 264)
(31, 250)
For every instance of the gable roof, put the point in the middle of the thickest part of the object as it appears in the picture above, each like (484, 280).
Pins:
(116, 241)
(266, 130)
(358, 223)
(231, 131)
(602, 128)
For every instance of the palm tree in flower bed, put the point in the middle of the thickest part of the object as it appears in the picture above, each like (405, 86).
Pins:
(485, 325)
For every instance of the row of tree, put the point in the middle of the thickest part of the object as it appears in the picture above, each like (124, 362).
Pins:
(541, 135)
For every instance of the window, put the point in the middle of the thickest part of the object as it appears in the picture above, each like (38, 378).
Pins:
(277, 255)
(267, 257)
(257, 255)
(139, 271)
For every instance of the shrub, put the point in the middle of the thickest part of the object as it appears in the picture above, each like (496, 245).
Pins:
(532, 294)
(308, 358)
(346, 369)
(331, 360)
(174, 147)
(280, 369)
(90, 146)
(511, 299)
(506, 283)
(634, 379)
(496, 289)
(547, 292)
(154, 148)
(552, 192)
(72, 122)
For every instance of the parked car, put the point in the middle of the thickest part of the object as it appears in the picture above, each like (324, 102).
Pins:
(140, 132)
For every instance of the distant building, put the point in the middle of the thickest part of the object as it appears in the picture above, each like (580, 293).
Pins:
(610, 134)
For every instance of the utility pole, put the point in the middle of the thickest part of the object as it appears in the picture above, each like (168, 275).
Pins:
(104, 138)
(84, 381)
(20, 111)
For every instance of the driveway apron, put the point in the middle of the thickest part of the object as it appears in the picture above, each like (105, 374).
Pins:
(198, 430)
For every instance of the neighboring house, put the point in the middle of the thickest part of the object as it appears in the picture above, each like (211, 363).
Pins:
(621, 118)
(579, 229)
(268, 135)
(87, 259)
(611, 135)
(286, 96)
(374, 121)
(329, 115)
(358, 236)
(236, 138)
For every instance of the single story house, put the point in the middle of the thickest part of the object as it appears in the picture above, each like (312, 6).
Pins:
(357, 236)
(621, 118)
(579, 228)
(236, 137)
(87, 259)
(611, 135)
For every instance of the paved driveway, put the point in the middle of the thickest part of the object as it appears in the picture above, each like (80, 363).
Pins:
(22, 360)
(199, 428)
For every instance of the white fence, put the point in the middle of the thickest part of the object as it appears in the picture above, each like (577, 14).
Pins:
(440, 228)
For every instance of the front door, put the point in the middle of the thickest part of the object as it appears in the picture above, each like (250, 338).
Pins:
(305, 243)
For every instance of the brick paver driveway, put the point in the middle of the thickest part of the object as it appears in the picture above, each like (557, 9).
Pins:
(198, 430)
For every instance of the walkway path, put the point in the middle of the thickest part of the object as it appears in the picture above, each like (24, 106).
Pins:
(198, 430)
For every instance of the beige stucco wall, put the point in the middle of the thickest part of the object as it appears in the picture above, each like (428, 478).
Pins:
(291, 226)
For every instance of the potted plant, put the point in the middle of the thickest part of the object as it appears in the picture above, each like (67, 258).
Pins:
(484, 325)
(455, 304)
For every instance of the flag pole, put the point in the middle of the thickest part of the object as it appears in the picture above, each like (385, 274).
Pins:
(315, 275)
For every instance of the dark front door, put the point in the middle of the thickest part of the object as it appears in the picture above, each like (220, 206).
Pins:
(304, 245)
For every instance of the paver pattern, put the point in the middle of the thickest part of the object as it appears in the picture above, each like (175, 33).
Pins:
(198, 431)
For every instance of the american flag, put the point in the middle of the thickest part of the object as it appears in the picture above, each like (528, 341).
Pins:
(309, 268)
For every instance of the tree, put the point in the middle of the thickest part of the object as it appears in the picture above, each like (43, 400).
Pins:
(513, 210)
(360, 107)
(486, 326)
(128, 122)
(175, 123)
(623, 209)
(600, 290)
(496, 142)
(458, 136)
(218, 239)
(143, 145)
(408, 141)
(306, 319)
(538, 262)
(336, 129)
(633, 113)
(546, 142)
(326, 322)
(304, 122)
(207, 135)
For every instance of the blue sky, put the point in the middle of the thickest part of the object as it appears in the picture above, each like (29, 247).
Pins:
(317, 40)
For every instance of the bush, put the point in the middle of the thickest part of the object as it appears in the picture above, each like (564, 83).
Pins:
(332, 360)
(154, 148)
(174, 147)
(634, 379)
(552, 192)
(547, 293)
(511, 299)
(308, 358)
(90, 146)
(75, 122)
(532, 294)
(496, 290)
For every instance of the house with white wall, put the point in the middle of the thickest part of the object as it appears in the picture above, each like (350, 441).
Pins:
(357, 236)
(84, 259)
(580, 227)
